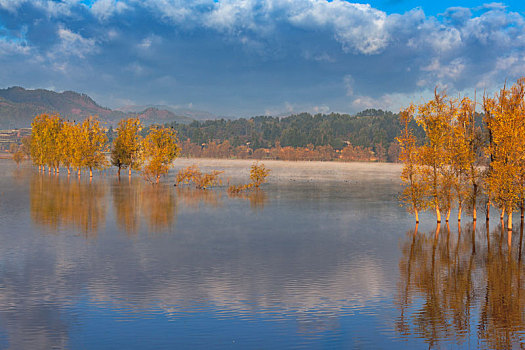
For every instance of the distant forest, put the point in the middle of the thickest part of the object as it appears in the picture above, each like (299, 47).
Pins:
(368, 135)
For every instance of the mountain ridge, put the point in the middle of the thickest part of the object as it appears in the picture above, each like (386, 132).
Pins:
(18, 107)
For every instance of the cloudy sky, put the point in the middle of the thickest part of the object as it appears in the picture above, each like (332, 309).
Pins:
(254, 57)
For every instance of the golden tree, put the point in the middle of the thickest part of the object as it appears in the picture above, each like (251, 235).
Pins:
(126, 151)
(66, 144)
(52, 130)
(435, 118)
(258, 174)
(91, 145)
(414, 195)
(37, 140)
(506, 122)
(160, 150)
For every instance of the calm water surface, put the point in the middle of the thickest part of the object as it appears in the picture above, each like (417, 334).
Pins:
(299, 265)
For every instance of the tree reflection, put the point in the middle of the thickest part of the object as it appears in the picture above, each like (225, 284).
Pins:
(256, 198)
(159, 206)
(192, 197)
(126, 203)
(455, 286)
(134, 201)
(55, 202)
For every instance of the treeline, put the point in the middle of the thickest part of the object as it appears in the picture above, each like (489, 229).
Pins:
(368, 136)
(460, 164)
(57, 143)
(309, 153)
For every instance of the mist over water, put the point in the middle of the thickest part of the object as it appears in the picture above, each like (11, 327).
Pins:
(305, 263)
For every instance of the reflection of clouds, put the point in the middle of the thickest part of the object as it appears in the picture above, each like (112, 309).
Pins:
(289, 262)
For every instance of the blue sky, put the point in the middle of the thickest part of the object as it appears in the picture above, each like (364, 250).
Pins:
(245, 58)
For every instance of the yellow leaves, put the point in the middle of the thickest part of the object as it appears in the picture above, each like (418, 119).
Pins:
(258, 174)
(55, 142)
(127, 146)
(201, 180)
(160, 149)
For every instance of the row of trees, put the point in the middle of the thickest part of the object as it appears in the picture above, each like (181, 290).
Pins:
(348, 153)
(56, 143)
(371, 129)
(462, 160)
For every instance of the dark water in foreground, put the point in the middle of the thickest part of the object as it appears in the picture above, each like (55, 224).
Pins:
(300, 265)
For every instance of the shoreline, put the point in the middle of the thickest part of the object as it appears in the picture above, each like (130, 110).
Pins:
(307, 171)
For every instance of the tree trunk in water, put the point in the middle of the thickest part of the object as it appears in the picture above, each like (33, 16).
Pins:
(438, 215)
(509, 220)
(474, 211)
(438, 228)
(68, 171)
(509, 239)
(90, 172)
(158, 178)
(502, 214)
(488, 210)
(129, 171)
(79, 173)
(459, 213)
(58, 170)
(417, 216)
(118, 172)
(448, 215)
(521, 208)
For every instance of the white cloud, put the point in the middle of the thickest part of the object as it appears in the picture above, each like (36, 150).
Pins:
(104, 9)
(349, 82)
(359, 28)
(74, 44)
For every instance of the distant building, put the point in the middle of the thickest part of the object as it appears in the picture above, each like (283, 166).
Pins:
(10, 136)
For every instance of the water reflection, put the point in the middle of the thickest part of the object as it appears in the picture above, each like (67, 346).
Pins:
(256, 198)
(458, 286)
(136, 200)
(193, 198)
(58, 202)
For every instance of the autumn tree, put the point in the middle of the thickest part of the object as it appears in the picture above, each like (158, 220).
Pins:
(258, 174)
(126, 151)
(37, 148)
(506, 122)
(160, 149)
(66, 143)
(435, 118)
(91, 145)
(414, 195)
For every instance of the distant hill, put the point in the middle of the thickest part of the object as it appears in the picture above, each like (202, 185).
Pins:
(185, 112)
(18, 107)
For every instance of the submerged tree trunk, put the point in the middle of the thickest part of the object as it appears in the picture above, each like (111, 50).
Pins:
(488, 211)
(502, 214)
(129, 171)
(68, 171)
(438, 214)
(459, 213)
(509, 220)
(78, 172)
(448, 215)
(90, 172)
(416, 213)
(158, 178)
(118, 172)
(474, 200)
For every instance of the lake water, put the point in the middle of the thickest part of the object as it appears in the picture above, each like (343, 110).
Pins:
(301, 264)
